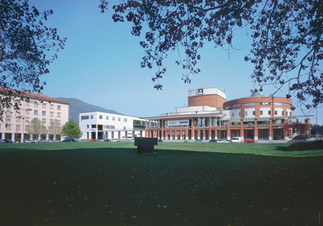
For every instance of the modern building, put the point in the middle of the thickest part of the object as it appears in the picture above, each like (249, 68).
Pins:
(210, 116)
(103, 125)
(15, 123)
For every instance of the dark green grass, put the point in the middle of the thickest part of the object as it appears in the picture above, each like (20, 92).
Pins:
(109, 184)
(308, 149)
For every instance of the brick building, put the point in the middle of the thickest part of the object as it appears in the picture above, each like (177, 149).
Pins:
(210, 116)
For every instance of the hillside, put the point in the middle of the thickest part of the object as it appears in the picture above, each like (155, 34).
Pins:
(78, 106)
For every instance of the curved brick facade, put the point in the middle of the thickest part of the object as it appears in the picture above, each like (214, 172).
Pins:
(272, 103)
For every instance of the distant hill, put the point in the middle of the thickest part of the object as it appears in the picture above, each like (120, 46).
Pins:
(78, 106)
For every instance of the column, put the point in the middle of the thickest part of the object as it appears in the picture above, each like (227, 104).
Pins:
(256, 131)
(47, 137)
(228, 131)
(3, 136)
(13, 137)
(192, 129)
(270, 130)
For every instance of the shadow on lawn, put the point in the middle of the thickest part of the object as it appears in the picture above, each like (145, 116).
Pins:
(302, 146)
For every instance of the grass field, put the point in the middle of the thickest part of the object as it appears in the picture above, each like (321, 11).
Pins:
(183, 184)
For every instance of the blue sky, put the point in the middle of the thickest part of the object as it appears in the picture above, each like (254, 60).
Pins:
(101, 65)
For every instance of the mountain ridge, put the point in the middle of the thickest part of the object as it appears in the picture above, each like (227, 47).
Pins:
(76, 106)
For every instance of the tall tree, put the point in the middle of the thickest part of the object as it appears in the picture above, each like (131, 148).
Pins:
(27, 47)
(287, 37)
(35, 126)
(55, 128)
(71, 129)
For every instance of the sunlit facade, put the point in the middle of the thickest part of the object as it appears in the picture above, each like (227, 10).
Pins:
(104, 125)
(15, 124)
(210, 116)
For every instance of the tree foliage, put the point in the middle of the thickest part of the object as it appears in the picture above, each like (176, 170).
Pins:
(287, 37)
(55, 127)
(71, 129)
(35, 126)
(27, 47)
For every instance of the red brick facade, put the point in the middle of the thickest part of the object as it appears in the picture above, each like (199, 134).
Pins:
(206, 100)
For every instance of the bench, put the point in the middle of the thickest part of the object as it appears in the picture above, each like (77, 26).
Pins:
(145, 145)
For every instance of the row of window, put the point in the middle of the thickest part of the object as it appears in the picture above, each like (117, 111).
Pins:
(18, 127)
(253, 104)
(261, 113)
(85, 117)
(44, 105)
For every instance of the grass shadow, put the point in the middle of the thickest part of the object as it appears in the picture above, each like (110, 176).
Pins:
(302, 146)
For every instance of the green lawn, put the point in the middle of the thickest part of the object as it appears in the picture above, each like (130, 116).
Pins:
(183, 184)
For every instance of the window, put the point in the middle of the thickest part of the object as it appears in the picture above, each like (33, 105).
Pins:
(254, 113)
(27, 119)
(84, 117)
(250, 104)
(18, 119)
(261, 112)
(44, 105)
(287, 113)
(236, 105)
(91, 116)
(51, 120)
(52, 106)
(93, 126)
(43, 113)
(125, 120)
(282, 112)
(58, 114)
(87, 126)
(27, 103)
(43, 120)
(275, 112)
(279, 104)
(228, 107)
(100, 116)
(8, 126)
(27, 111)
(107, 117)
(119, 119)
(239, 114)
(51, 114)
(109, 127)
(113, 118)
(35, 112)
(246, 113)
(18, 127)
(288, 105)
(35, 104)
(58, 107)
(264, 103)
(232, 115)
(269, 112)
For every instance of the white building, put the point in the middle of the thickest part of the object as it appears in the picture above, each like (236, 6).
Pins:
(14, 126)
(103, 125)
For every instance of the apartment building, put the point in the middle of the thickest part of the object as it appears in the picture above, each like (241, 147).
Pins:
(15, 123)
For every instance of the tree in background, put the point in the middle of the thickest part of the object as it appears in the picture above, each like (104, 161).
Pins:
(287, 37)
(27, 48)
(35, 126)
(55, 128)
(71, 129)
